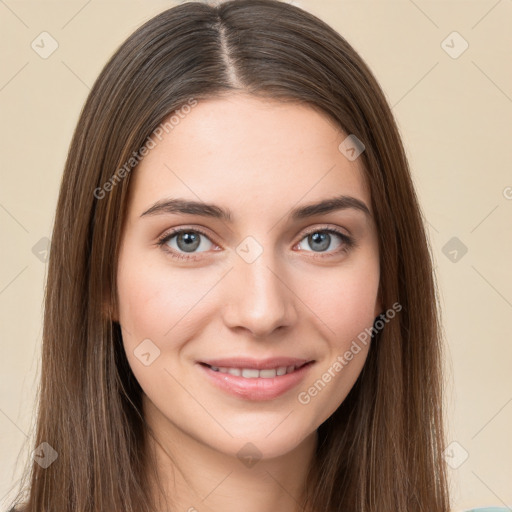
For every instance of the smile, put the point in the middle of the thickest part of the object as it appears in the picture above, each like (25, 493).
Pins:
(255, 384)
(252, 373)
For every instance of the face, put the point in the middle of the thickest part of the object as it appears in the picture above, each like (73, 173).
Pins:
(266, 286)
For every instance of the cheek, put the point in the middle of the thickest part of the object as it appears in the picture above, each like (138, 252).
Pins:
(157, 301)
(157, 308)
(344, 300)
(145, 301)
(343, 303)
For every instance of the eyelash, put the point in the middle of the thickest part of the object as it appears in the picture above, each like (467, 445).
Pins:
(348, 242)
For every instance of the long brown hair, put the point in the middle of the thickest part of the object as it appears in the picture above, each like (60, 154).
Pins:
(381, 450)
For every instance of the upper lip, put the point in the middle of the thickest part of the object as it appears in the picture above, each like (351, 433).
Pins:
(258, 364)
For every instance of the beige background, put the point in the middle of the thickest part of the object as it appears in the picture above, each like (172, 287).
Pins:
(455, 116)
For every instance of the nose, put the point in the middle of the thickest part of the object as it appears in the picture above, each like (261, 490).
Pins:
(259, 298)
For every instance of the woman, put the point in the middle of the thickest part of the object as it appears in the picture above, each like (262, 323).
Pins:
(240, 308)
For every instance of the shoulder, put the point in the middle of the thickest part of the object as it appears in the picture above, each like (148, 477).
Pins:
(488, 509)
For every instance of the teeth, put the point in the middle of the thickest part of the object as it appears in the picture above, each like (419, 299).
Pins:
(252, 373)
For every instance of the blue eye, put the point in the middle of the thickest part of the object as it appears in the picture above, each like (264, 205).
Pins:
(188, 241)
(321, 239)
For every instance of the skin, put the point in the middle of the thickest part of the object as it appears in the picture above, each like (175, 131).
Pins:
(260, 159)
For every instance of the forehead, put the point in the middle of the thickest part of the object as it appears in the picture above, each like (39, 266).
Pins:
(248, 154)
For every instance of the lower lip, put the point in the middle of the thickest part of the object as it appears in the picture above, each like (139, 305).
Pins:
(258, 388)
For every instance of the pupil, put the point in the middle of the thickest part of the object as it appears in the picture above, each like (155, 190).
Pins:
(320, 237)
(191, 241)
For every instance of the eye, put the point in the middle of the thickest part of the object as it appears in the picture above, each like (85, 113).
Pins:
(186, 241)
(321, 240)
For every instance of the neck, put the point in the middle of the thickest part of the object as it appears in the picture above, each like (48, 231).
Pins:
(195, 477)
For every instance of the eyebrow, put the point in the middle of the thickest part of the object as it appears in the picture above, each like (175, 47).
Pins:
(182, 206)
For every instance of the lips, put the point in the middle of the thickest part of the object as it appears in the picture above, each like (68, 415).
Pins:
(256, 364)
(254, 373)
(253, 379)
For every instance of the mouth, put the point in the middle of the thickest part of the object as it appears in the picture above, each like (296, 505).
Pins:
(256, 384)
(254, 373)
